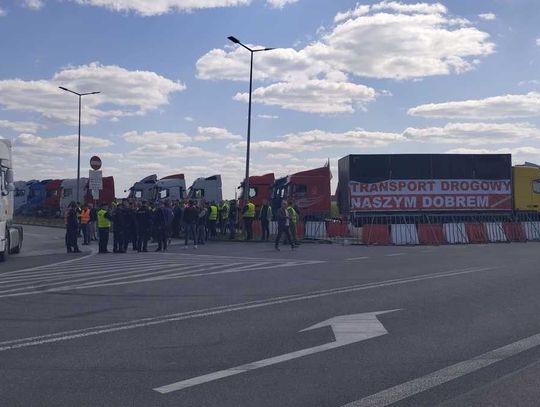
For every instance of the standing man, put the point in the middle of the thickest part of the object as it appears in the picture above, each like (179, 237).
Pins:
(104, 225)
(249, 216)
(233, 216)
(293, 216)
(283, 220)
(212, 220)
(224, 218)
(85, 220)
(190, 224)
(144, 218)
(266, 217)
(72, 229)
(92, 223)
(118, 219)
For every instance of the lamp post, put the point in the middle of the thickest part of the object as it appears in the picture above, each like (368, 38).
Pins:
(252, 51)
(80, 95)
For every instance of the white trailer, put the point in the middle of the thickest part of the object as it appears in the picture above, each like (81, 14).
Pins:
(10, 236)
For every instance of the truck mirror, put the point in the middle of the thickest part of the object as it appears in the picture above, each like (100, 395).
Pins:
(10, 187)
(9, 176)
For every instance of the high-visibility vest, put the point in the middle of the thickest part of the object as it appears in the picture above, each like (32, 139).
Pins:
(85, 216)
(225, 211)
(102, 221)
(250, 212)
(292, 214)
(213, 212)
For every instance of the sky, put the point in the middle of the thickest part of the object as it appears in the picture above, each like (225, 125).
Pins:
(346, 77)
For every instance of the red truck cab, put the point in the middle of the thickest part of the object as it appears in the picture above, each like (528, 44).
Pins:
(52, 197)
(259, 189)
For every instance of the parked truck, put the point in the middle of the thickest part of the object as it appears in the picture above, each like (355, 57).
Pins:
(172, 187)
(260, 189)
(11, 236)
(144, 189)
(308, 190)
(206, 189)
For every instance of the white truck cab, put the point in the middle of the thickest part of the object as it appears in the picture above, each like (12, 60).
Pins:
(10, 236)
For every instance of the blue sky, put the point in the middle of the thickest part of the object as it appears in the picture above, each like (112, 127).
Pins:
(347, 77)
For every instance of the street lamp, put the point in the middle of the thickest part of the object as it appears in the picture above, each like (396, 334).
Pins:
(80, 95)
(252, 51)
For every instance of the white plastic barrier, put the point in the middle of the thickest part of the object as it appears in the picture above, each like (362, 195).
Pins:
(495, 232)
(454, 233)
(356, 233)
(273, 228)
(404, 235)
(315, 230)
(532, 230)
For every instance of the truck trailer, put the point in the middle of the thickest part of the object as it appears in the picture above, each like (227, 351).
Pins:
(11, 236)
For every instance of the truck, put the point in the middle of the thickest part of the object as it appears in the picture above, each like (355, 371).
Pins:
(143, 190)
(172, 187)
(206, 189)
(308, 190)
(52, 198)
(526, 180)
(260, 188)
(69, 192)
(21, 195)
(105, 196)
(11, 236)
(435, 184)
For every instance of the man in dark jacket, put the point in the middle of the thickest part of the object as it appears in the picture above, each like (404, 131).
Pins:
(189, 220)
(72, 229)
(144, 220)
(283, 220)
(119, 228)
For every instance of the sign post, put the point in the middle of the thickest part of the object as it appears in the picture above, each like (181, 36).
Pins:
(95, 177)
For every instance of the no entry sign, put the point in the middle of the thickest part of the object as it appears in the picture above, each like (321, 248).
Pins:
(95, 163)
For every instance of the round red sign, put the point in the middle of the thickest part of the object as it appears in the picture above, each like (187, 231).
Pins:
(95, 163)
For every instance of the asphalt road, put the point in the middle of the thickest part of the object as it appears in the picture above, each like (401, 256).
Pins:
(152, 329)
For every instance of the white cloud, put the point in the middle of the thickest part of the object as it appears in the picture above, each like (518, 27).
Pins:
(474, 134)
(154, 137)
(314, 96)
(488, 16)
(128, 92)
(174, 150)
(215, 133)
(386, 40)
(158, 7)
(33, 4)
(498, 107)
(280, 3)
(23, 127)
(538, 42)
(189, 119)
(316, 140)
(43, 148)
(2, 12)
(268, 116)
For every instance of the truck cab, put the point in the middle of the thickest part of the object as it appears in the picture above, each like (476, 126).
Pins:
(52, 197)
(11, 236)
(143, 190)
(260, 189)
(206, 189)
(526, 187)
(69, 192)
(308, 190)
(172, 187)
(21, 195)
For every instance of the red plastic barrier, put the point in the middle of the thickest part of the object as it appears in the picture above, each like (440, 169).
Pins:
(430, 234)
(300, 230)
(476, 232)
(514, 231)
(376, 234)
(337, 229)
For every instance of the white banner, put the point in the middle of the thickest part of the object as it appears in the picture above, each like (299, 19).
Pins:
(95, 180)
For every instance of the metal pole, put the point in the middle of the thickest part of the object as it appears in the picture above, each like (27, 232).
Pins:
(246, 182)
(79, 152)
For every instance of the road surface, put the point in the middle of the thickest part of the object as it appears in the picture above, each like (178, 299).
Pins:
(227, 325)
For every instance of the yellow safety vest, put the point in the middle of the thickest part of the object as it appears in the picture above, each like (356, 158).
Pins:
(250, 212)
(292, 214)
(102, 221)
(225, 211)
(213, 213)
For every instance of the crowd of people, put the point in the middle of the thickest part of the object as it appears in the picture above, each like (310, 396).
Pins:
(134, 223)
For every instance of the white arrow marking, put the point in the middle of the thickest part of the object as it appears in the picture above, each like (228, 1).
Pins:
(347, 329)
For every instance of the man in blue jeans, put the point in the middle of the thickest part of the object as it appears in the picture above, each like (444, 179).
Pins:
(191, 215)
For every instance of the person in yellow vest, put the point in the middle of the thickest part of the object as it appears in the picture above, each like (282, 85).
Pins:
(224, 217)
(293, 215)
(85, 220)
(104, 225)
(212, 219)
(249, 215)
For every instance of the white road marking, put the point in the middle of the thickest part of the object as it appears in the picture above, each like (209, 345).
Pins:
(145, 322)
(395, 254)
(348, 329)
(357, 258)
(427, 382)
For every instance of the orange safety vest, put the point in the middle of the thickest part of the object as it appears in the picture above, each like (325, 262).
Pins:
(66, 212)
(85, 216)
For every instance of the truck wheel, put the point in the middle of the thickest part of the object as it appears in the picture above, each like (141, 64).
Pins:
(17, 250)
(4, 254)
